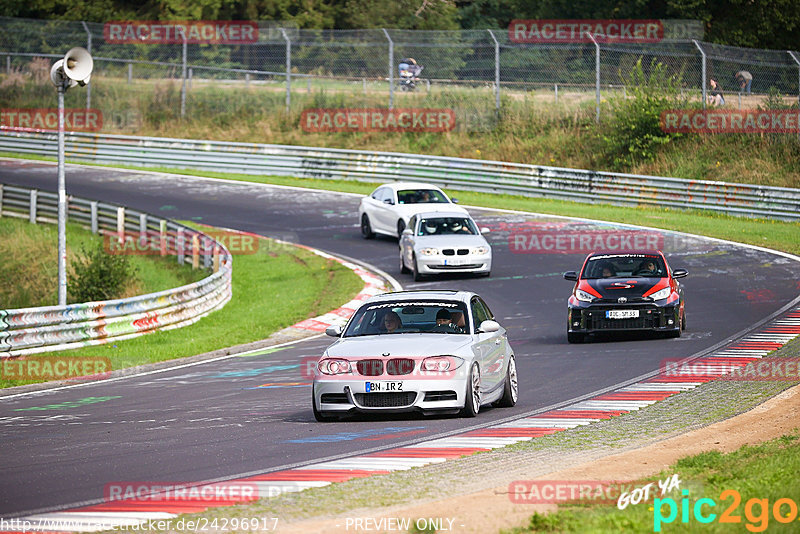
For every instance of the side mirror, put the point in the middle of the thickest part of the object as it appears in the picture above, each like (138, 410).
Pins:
(408, 231)
(388, 201)
(679, 273)
(455, 200)
(489, 326)
(571, 275)
(334, 331)
(485, 230)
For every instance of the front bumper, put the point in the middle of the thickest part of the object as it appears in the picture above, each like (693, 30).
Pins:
(337, 396)
(469, 263)
(593, 318)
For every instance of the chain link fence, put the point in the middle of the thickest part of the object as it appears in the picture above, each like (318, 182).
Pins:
(475, 73)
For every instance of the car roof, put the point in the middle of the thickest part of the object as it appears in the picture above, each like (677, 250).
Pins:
(439, 214)
(625, 253)
(410, 185)
(450, 294)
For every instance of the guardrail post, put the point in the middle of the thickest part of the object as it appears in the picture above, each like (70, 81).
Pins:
(596, 77)
(93, 216)
(88, 49)
(794, 57)
(162, 227)
(32, 208)
(130, 73)
(207, 253)
(496, 71)
(391, 68)
(1, 200)
(143, 229)
(703, 70)
(180, 245)
(121, 224)
(247, 79)
(216, 258)
(195, 251)
(288, 69)
(183, 75)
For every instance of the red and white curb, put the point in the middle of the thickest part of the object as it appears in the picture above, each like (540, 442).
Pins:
(611, 404)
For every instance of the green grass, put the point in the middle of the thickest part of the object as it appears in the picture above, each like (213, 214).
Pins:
(765, 471)
(274, 288)
(29, 263)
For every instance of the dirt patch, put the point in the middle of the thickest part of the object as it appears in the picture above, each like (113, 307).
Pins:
(491, 510)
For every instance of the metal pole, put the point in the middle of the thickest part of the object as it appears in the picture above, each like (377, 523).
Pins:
(391, 68)
(794, 57)
(556, 87)
(703, 82)
(130, 73)
(596, 77)
(288, 69)
(496, 71)
(89, 49)
(183, 75)
(62, 203)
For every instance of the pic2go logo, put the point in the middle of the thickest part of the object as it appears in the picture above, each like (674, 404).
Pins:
(783, 511)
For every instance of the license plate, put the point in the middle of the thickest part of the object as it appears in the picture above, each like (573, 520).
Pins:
(457, 261)
(622, 314)
(381, 387)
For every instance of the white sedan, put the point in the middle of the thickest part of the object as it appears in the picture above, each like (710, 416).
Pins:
(425, 351)
(444, 242)
(389, 208)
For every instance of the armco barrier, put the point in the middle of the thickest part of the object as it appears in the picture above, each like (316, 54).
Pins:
(458, 173)
(49, 328)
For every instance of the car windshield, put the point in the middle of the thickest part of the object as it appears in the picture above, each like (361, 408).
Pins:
(404, 317)
(421, 196)
(447, 225)
(624, 266)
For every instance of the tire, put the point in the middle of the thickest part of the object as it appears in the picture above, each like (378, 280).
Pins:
(366, 228)
(574, 337)
(320, 416)
(472, 400)
(511, 387)
(401, 225)
(683, 320)
(403, 268)
(417, 276)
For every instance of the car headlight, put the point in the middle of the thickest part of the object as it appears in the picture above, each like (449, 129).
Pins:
(661, 294)
(479, 251)
(584, 296)
(441, 363)
(334, 366)
(429, 251)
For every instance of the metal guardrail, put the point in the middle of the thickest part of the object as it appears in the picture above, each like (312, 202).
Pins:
(458, 173)
(51, 328)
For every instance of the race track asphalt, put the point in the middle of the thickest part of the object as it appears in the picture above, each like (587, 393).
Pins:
(252, 413)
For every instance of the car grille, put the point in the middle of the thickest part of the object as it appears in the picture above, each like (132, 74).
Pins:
(370, 367)
(400, 366)
(453, 252)
(595, 319)
(386, 400)
(447, 267)
(440, 396)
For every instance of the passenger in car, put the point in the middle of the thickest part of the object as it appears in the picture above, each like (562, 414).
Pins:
(392, 321)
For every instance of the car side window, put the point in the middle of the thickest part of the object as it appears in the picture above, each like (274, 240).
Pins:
(376, 195)
(478, 313)
(489, 313)
(412, 223)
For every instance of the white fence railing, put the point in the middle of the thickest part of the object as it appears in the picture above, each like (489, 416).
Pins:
(51, 328)
(458, 173)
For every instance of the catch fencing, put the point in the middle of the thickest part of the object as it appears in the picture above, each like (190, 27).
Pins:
(51, 328)
(474, 72)
(457, 173)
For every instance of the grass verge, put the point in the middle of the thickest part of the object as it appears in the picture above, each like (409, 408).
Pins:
(747, 483)
(272, 289)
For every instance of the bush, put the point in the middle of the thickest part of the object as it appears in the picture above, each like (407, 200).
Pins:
(633, 131)
(98, 275)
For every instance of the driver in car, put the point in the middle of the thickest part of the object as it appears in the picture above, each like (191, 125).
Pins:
(444, 322)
